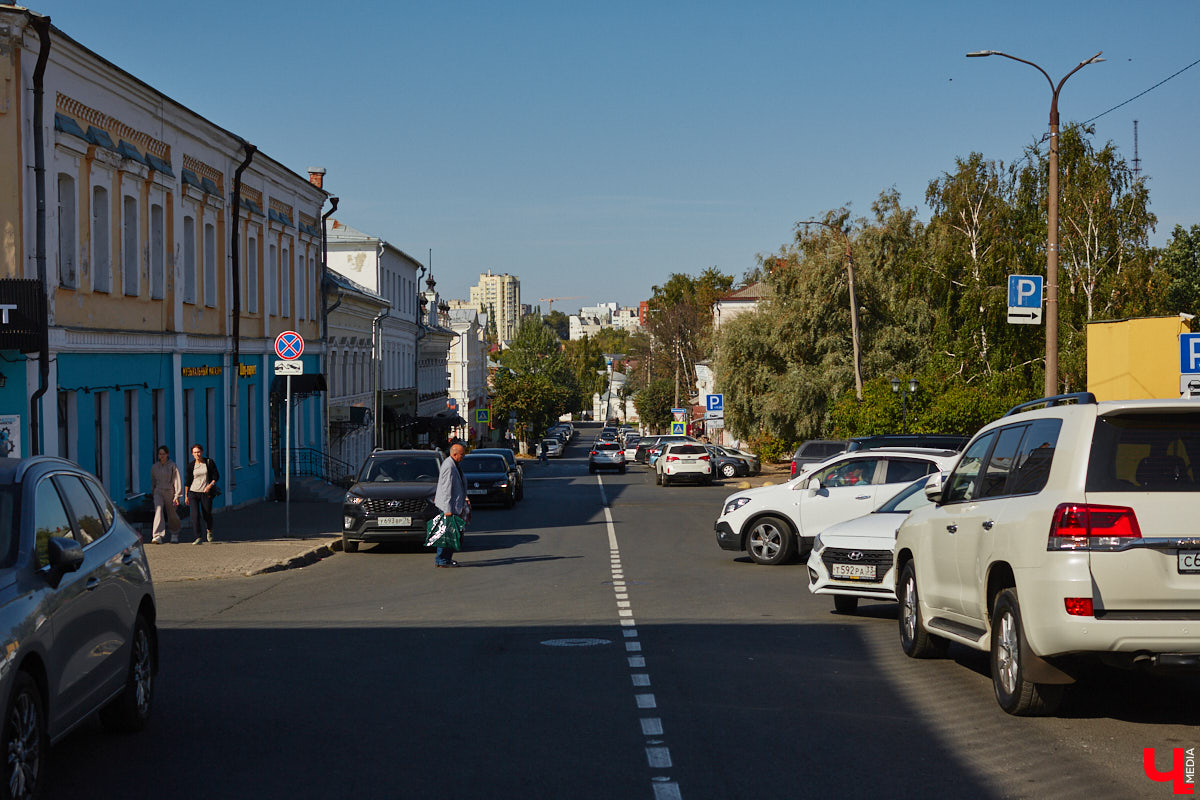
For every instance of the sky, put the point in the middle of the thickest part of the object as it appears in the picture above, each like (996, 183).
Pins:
(594, 148)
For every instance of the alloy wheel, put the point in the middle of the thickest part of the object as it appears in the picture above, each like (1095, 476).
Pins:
(24, 746)
(1007, 660)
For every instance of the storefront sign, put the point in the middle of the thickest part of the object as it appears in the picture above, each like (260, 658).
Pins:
(22, 314)
(247, 370)
(199, 372)
(10, 435)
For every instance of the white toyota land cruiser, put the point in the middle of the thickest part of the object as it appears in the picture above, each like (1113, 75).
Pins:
(1065, 532)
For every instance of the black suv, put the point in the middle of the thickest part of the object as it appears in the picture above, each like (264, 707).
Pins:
(391, 499)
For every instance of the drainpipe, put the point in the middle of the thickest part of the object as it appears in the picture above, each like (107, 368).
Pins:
(41, 24)
(237, 309)
(333, 204)
(376, 358)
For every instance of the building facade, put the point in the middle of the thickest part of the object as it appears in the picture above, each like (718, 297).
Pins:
(356, 371)
(499, 296)
(157, 330)
(468, 371)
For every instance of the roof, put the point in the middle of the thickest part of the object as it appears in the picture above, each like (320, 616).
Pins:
(337, 231)
(755, 291)
(345, 283)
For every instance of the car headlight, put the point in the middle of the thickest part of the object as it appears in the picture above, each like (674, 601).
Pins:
(735, 504)
(355, 500)
(817, 545)
(501, 484)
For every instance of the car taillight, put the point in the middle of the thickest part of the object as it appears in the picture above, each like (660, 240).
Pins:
(1079, 606)
(1087, 526)
(704, 458)
(793, 469)
(592, 453)
(672, 458)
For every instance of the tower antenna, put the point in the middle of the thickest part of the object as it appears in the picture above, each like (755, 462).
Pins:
(1137, 162)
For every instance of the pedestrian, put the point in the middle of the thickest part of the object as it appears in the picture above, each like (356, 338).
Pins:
(167, 492)
(451, 498)
(202, 477)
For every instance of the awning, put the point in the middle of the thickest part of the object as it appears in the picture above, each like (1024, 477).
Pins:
(301, 384)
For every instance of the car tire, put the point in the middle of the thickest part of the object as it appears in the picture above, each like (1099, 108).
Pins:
(25, 740)
(591, 469)
(509, 501)
(770, 541)
(708, 479)
(349, 545)
(658, 478)
(915, 641)
(520, 491)
(729, 471)
(621, 470)
(844, 603)
(130, 710)
(1014, 693)
(666, 479)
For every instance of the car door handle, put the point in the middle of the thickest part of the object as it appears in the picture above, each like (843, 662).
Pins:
(863, 497)
(988, 523)
(127, 557)
(952, 528)
(91, 584)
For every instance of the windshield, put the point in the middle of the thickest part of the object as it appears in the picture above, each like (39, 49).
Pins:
(476, 464)
(910, 498)
(402, 469)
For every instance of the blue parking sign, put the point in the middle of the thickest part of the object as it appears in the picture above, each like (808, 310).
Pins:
(1189, 353)
(1024, 291)
(716, 402)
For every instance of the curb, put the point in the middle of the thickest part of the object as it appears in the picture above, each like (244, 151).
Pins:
(311, 556)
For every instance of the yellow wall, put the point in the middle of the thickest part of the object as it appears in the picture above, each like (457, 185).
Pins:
(1136, 358)
(11, 159)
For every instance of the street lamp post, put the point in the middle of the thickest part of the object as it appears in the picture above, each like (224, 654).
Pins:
(912, 390)
(1051, 383)
(853, 305)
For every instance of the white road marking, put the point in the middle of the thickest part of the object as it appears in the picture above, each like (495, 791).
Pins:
(652, 726)
(633, 647)
(640, 679)
(645, 701)
(659, 757)
(666, 790)
(634, 661)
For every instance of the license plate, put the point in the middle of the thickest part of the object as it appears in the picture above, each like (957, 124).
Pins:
(477, 491)
(1189, 560)
(853, 571)
(395, 522)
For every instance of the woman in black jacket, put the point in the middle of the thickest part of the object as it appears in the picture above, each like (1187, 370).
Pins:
(202, 477)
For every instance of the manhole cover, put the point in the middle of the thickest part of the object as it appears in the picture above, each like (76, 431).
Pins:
(575, 642)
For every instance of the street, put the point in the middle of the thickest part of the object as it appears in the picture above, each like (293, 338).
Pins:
(555, 664)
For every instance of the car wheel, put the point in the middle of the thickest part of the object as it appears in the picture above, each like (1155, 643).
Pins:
(658, 477)
(770, 541)
(25, 740)
(915, 641)
(845, 603)
(349, 545)
(666, 479)
(130, 710)
(1014, 693)
(591, 469)
(509, 501)
(729, 470)
(521, 491)
(621, 470)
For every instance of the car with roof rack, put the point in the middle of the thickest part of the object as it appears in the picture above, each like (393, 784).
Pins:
(1063, 536)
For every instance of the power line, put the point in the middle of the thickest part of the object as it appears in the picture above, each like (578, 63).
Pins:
(1136, 96)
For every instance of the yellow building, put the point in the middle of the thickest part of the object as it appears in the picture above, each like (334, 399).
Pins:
(1135, 358)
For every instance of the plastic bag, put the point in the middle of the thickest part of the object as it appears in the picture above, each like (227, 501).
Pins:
(445, 531)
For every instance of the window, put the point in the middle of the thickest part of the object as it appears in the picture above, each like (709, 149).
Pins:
(158, 417)
(189, 410)
(344, 384)
(285, 282)
(101, 251)
(333, 387)
(89, 522)
(210, 266)
(66, 231)
(301, 286)
(272, 282)
(107, 512)
(1032, 466)
(50, 519)
(210, 422)
(67, 421)
(189, 260)
(313, 294)
(961, 483)
(994, 482)
(131, 449)
(100, 435)
(1145, 453)
(251, 276)
(854, 472)
(251, 430)
(157, 253)
(129, 246)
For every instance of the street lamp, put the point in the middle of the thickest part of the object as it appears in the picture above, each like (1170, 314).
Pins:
(912, 390)
(853, 304)
(1051, 384)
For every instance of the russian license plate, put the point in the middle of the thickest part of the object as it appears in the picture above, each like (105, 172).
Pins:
(395, 522)
(857, 571)
(477, 491)
(1189, 560)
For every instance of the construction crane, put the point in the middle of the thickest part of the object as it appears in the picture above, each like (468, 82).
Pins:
(550, 301)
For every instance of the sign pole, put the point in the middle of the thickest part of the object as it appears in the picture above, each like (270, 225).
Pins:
(287, 469)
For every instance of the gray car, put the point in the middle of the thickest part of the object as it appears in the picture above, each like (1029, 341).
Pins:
(77, 613)
(606, 455)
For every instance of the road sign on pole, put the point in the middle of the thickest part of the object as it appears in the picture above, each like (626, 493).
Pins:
(289, 368)
(680, 414)
(679, 429)
(289, 345)
(1189, 353)
(482, 416)
(714, 402)
(1025, 299)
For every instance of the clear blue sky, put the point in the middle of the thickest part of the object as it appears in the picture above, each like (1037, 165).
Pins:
(594, 148)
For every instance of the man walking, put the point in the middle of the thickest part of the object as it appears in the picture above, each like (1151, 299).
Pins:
(451, 498)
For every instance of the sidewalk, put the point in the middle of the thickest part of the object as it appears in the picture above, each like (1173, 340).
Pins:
(250, 540)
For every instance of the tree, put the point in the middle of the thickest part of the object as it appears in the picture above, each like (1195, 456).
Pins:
(680, 321)
(559, 322)
(586, 362)
(535, 382)
(653, 403)
(1180, 262)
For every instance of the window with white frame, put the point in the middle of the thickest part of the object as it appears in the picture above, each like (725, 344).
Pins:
(66, 231)
(158, 417)
(101, 250)
(210, 266)
(131, 441)
(313, 294)
(189, 416)
(272, 281)
(100, 437)
(285, 282)
(129, 246)
(189, 259)
(158, 275)
(301, 285)
(252, 412)
(210, 422)
(251, 275)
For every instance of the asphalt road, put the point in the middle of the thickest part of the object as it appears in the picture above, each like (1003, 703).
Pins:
(554, 664)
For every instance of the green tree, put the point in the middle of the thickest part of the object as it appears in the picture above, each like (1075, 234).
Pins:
(653, 404)
(535, 383)
(1180, 263)
(586, 361)
(559, 322)
(680, 321)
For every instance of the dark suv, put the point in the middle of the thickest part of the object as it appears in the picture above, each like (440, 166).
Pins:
(391, 499)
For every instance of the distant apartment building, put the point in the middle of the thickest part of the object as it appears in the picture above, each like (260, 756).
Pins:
(500, 297)
(627, 319)
(581, 325)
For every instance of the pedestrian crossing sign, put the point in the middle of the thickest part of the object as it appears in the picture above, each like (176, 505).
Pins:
(679, 429)
(481, 415)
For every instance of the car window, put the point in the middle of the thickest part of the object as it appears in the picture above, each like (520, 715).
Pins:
(477, 464)
(908, 499)
(107, 512)
(852, 472)
(1032, 467)
(9, 532)
(994, 482)
(608, 446)
(906, 470)
(688, 450)
(1145, 453)
(49, 519)
(961, 483)
(89, 525)
(401, 469)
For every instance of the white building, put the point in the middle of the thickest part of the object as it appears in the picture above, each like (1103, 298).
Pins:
(627, 319)
(740, 301)
(353, 399)
(433, 356)
(580, 326)
(468, 370)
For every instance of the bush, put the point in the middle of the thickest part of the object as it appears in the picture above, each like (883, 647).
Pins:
(770, 449)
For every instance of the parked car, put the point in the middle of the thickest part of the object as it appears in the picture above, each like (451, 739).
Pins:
(773, 523)
(78, 609)
(754, 461)
(941, 441)
(853, 559)
(641, 455)
(814, 451)
(552, 447)
(606, 455)
(656, 450)
(391, 498)
(488, 480)
(1065, 534)
(630, 444)
(725, 465)
(683, 461)
(515, 470)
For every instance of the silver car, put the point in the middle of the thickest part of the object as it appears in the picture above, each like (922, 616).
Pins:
(606, 455)
(77, 613)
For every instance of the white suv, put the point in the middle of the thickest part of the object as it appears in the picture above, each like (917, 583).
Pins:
(1065, 531)
(683, 461)
(773, 523)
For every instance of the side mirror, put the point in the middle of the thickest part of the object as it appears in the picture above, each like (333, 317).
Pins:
(66, 555)
(934, 487)
(814, 486)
